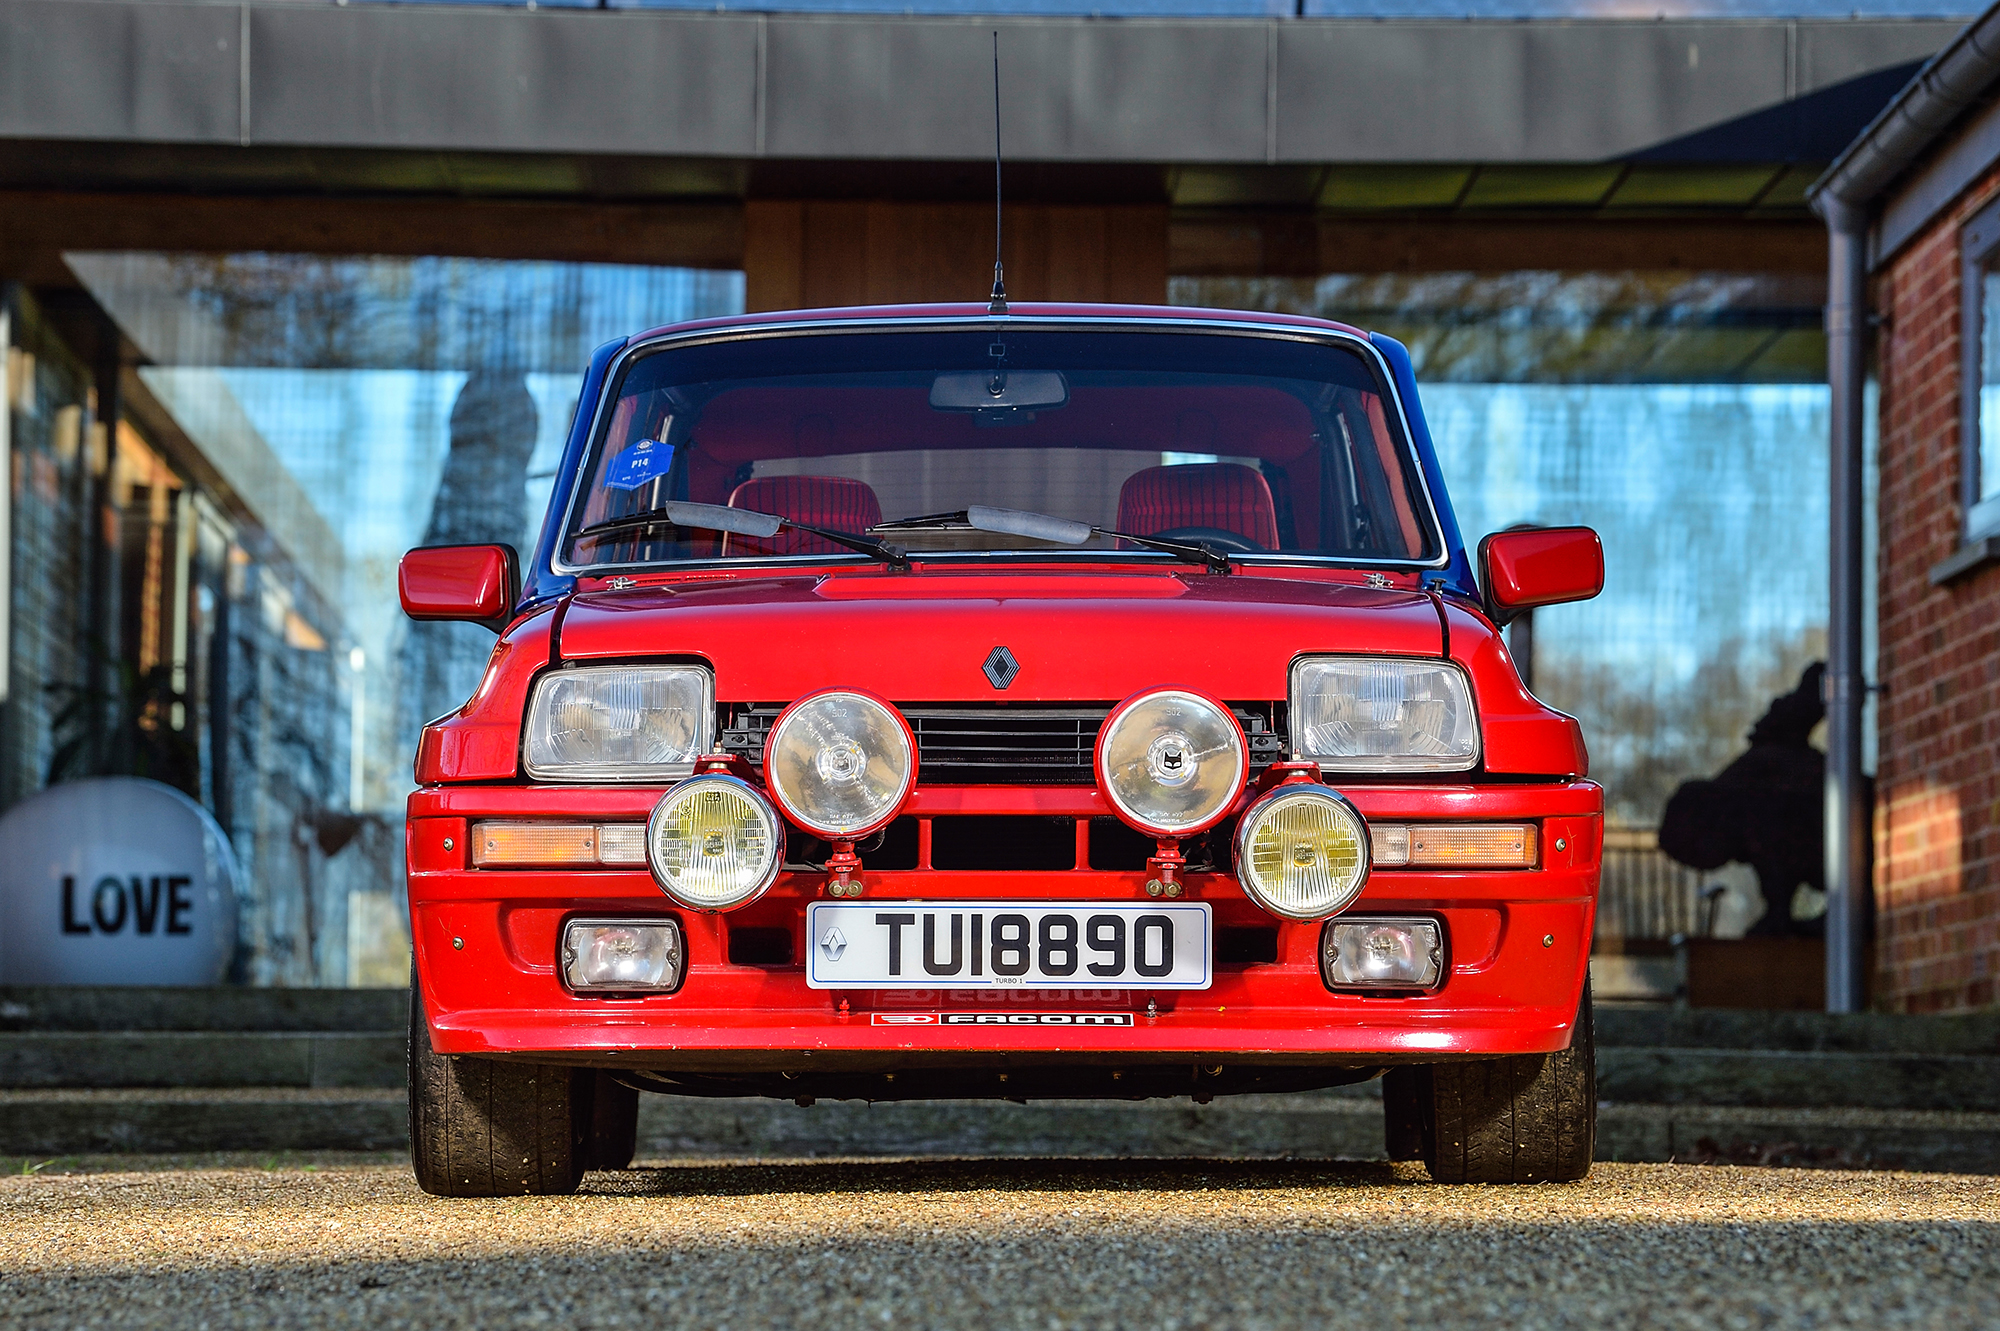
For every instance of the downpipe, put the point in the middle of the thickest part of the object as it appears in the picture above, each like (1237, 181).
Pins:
(1847, 829)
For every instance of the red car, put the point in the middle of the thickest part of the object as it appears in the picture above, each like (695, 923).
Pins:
(924, 703)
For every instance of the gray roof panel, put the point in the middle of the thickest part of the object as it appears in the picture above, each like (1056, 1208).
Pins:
(455, 79)
(1128, 91)
(158, 72)
(436, 76)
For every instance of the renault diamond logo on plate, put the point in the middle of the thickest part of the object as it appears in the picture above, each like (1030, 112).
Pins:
(834, 943)
(1001, 668)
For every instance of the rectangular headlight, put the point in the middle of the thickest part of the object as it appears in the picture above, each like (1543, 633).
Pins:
(1452, 845)
(622, 956)
(1383, 714)
(619, 723)
(1374, 952)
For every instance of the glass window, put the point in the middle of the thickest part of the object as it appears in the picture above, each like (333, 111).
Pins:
(1979, 375)
(341, 409)
(1983, 463)
(1683, 415)
(51, 437)
(1255, 445)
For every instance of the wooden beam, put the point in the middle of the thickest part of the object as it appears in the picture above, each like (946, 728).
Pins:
(822, 252)
(1288, 245)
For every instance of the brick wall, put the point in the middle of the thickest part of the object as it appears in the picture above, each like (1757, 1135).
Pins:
(1937, 817)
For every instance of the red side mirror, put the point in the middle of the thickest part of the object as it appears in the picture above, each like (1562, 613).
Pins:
(1523, 569)
(473, 583)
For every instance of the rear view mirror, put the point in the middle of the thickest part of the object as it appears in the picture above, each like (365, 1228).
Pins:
(1520, 570)
(999, 390)
(475, 584)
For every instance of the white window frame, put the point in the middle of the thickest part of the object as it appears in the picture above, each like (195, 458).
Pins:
(1979, 521)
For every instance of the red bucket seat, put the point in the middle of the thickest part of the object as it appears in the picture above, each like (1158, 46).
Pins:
(820, 501)
(1227, 496)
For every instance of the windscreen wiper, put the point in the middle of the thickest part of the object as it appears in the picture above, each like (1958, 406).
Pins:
(740, 522)
(1059, 531)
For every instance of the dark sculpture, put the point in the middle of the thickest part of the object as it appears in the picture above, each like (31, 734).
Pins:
(1767, 809)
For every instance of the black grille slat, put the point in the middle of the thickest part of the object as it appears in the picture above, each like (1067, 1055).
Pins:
(999, 745)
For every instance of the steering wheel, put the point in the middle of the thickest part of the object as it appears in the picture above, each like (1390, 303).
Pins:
(1219, 537)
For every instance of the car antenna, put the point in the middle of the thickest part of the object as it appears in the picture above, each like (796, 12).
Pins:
(998, 303)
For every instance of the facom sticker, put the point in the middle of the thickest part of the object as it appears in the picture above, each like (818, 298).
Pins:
(1002, 1019)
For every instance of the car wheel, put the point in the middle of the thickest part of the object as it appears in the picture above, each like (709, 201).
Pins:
(488, 1127)
(1530, 1118)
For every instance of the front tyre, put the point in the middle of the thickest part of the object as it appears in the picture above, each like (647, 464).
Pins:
(1529, 1118)
(484, 1127)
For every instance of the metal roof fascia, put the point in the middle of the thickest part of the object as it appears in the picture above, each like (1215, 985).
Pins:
(1948, 85)
(1922, 194)
(441, 79)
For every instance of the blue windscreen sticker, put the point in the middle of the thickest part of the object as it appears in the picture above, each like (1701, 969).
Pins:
(647, 460)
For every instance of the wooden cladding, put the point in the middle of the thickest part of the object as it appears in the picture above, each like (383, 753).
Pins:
(812, 255)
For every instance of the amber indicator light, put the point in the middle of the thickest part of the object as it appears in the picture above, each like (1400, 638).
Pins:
(526, 845)
(1453, 845)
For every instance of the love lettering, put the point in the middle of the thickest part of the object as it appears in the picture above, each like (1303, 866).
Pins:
(146, 904)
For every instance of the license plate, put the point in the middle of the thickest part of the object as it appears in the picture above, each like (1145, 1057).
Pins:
(962, 944)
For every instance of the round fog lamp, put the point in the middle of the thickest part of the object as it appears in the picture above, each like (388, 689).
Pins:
(1302, 852)
(1171, 761)
(840, 763)
(714, 842)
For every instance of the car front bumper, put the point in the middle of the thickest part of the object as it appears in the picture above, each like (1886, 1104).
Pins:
(1518, 944)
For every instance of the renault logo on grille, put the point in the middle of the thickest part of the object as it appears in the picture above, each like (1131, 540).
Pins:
(1001, 668)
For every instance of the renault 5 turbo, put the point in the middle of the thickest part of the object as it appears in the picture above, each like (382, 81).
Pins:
(919, 703)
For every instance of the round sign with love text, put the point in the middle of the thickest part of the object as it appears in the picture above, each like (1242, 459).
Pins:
(114, 880)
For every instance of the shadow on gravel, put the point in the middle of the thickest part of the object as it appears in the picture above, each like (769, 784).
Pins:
(1014, 1174)
(1445, 1260)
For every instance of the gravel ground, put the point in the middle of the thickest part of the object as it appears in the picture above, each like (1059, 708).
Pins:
(1044, 1244)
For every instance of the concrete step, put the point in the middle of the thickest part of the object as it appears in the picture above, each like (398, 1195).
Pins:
(55, 1123)
(1767, 1078)
(107, 1059)
(218, 1008)
(51, 1123)
(1931, 1141)
(1657, 1027)
(1314, 1123)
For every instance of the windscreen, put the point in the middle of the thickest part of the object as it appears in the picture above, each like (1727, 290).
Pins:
(1263, 447)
